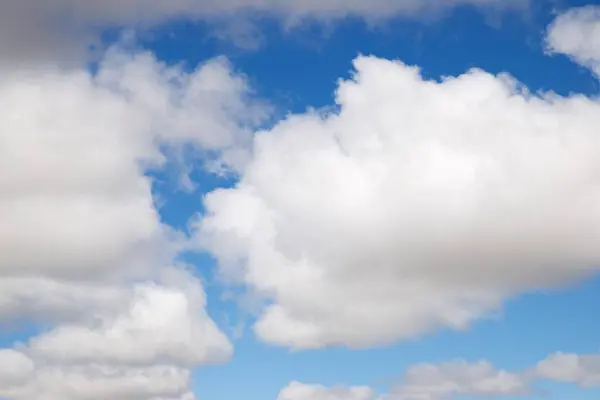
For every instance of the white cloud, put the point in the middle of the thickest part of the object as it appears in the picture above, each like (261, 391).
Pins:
(421, 205)
(96, 382)
(74, 196)
(48, 299)
(576, 33)
(424, 382)
(83, 252)
(444, 381)
(15, 368)
(301, 391)
(60, 29)
(143, 352)
(441, 381)
(160, 324)
(582, 370)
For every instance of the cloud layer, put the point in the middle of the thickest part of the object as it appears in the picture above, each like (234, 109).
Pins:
(62, 29)
(419, 205)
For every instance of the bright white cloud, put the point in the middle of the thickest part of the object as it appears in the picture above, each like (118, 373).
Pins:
(82, 248)
(576, 33)
(60, 29)
(421, 205)
(582, 370)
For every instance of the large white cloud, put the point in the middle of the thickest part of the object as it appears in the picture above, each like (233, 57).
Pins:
(420, 205)
(576, 33)
(61, 29)
(74, 196)
(83, 252)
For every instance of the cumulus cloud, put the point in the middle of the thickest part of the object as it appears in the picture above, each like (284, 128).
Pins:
(160, 324)
(96, 382)
(62, 29)
(301, 391)
(15, 368)
(143, 352)
(446, 380)
(84, 255)
(75, 199)
(441, 381)
(582, 370)
(576, 33)
(424, 382)
(420, 205)
(47, 299)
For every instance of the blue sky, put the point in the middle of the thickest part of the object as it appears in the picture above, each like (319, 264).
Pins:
(272, 239)
(447, 46)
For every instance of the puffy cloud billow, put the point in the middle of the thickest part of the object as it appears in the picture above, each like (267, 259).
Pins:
(420, 205)
(576, 33)
(579, 369)
(83, 251)
(424, 382)
(300, 391)
(445, 381)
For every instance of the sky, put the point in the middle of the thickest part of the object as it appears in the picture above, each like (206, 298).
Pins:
(299, 200)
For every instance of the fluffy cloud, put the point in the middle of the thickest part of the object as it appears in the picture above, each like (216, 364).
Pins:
(441, 381)
(160, 324)
(15, 368)
(83, 251)
(576, 33)
(583, 370)
(424, 382)
(60, 29)
(143, 352)
(74, 196)
(97, 382)
(301, 391)
(419, 205)
(446, 380)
